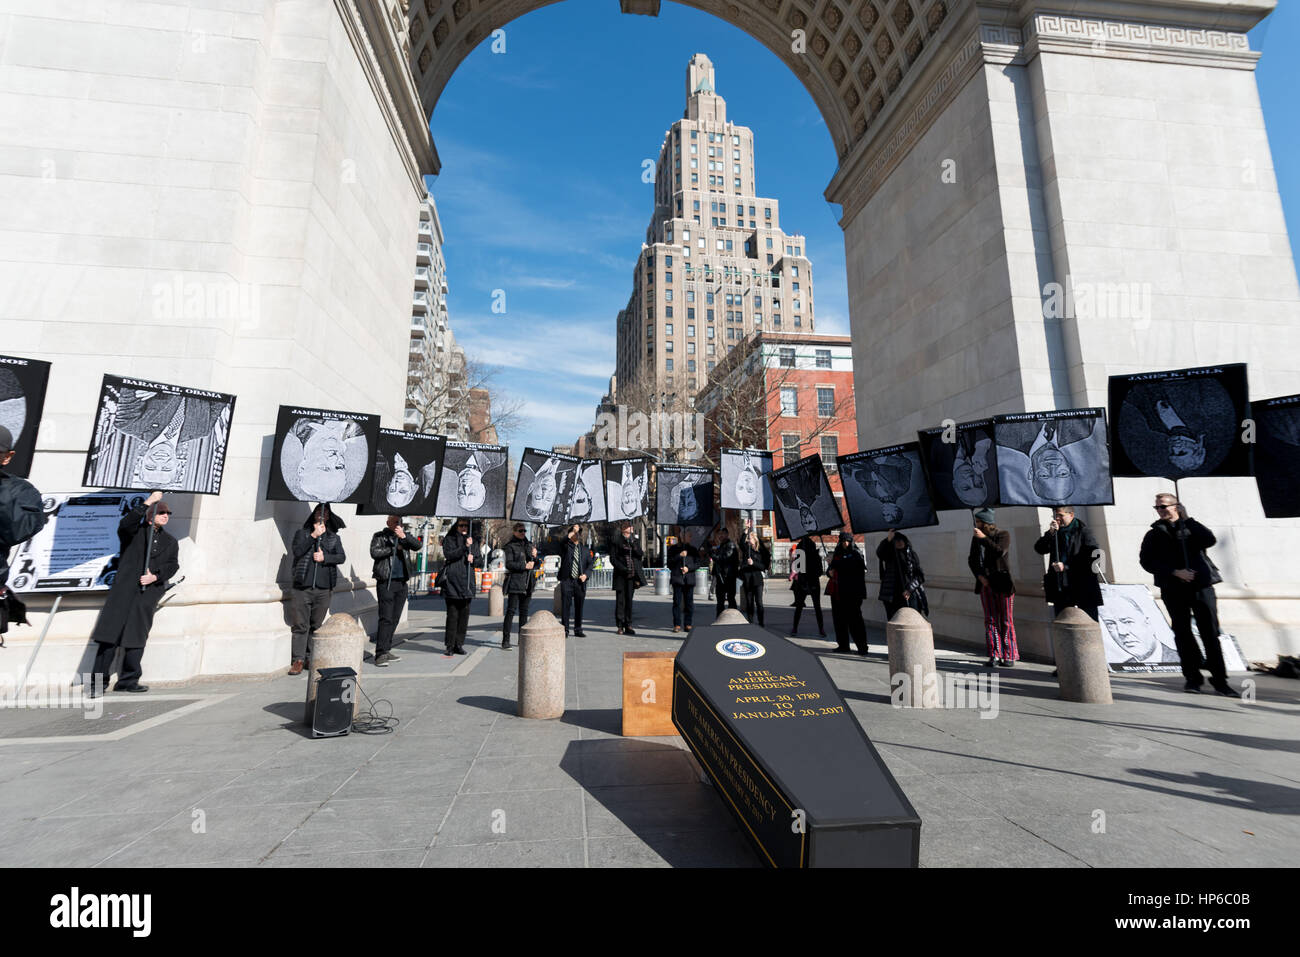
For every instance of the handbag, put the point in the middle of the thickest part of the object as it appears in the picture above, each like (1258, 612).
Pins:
(831, 585)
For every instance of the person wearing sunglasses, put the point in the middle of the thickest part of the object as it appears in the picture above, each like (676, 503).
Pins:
(147, 562)
(1173, 551)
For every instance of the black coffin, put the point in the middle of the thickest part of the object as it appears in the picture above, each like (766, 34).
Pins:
(789, 758)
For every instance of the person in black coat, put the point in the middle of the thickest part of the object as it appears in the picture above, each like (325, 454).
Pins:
(457, 584)
(726, 562)
(390, 548)
(806, 574)
(902, 582)
(755, 560)
(1072, 552)
(683, 560)
(317, 552)
(1173, 551)
(625, 555)
(150, 557)
(848, 589)
(521, 577)
(575, 567)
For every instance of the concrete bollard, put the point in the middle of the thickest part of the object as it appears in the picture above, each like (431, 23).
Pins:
(731, 616)
(663, 581)
(911, 658)
(339, 643)
(1080, 658)
(496, 601)
(541, 667)
(557, 603)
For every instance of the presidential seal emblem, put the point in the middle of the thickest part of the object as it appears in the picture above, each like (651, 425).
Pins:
(740, 648)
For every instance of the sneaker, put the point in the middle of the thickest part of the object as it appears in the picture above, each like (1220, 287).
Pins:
(381, 661)
(506, 646)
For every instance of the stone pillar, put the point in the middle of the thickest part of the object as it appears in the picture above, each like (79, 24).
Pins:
(339, 643)
(496, 601)
(911, 658)
(557, 602)
(1080, 658)
(541, 667)
(731, 616)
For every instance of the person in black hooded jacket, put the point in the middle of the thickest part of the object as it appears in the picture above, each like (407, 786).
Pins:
(806, 573)
(848, 590)
(683, 560)
(389, 547)
(755, 560)
(902, 582)
(521, 565)
(457, 584)
(316, 552)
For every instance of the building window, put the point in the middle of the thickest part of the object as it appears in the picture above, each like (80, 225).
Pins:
(769, 259)
(787, 357)
(708, 297)
(690, 312)
(830, 449)
(690, 348)
(709, 351)
(711, 363)
(789, 449)
(794, 270)
(686, 234)
(668, 260)
(710, 332)
(668, 363)
(708, 315)
(825, 402)
(767, 212)
(668, 293)
(690, 365)
(668, 328)
(789, 401)
(668, 312)
(823, 358)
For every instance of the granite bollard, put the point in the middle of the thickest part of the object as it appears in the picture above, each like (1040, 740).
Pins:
(339, 643)
(911, 658)
(731, 616)
(1080, 658)
(541, 667)
(496, 601)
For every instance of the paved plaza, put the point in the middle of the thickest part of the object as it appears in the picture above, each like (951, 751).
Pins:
(226, 774)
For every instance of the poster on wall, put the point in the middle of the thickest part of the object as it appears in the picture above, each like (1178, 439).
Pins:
(78, 547)
(744, 482)
(1180, 424)
(886, 488)
(1137, 638)
(805, 504)
(627, 488)
(322, 455)
(684, 495)
(961, 461)
(22, 398)
(407, 472)
(545, 486)
(1060, 457)
(1277, 455)
(475, 476)
(588, 503)
(151, 435)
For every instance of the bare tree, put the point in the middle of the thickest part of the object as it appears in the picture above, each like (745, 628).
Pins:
(440, 393)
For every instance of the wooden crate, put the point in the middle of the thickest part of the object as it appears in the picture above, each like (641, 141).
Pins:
(648, 675)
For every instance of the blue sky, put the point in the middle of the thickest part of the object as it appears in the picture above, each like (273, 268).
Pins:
(559, 229)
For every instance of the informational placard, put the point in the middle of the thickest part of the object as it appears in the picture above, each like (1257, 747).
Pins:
(474, 481)
(786, 754)
(962, 462)
(545, 487)
(1180, 424)
(886, 488)
(588, 503)
(627, 488)
(152, 435)
(407, 472)
(78, 547)
(1277, 455)
(745, 483)
(1061, 457)
(1137, 637)
(22, 399)
(805, 504)
(684, 495)
(322, 455)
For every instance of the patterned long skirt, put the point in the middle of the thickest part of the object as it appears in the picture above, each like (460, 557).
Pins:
(999, 625)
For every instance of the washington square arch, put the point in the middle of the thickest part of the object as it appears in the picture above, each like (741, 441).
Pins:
(988, 151)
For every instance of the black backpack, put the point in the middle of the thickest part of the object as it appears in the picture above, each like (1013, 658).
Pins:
(22, 514)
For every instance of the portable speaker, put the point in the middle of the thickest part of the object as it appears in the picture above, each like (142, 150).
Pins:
(331, 713)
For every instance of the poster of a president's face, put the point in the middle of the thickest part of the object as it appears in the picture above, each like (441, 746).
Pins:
(588, 504)
(1134, 632)
(962, 462)
(684, 496)
(322, 455)
(407, 473)
(627, 488)
(886, 488)
(151, 435)
(805, 504)
(1180, 424)
(475, 475)
(744, 481)
(1277, 455)
(22, 398)
(544, 488)
(1053, 458)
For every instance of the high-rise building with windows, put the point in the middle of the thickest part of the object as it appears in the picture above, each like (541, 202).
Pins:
(716, 265)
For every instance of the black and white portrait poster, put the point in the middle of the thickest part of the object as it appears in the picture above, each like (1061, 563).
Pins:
(545, 487)
(1137, 637)
(804, 503)
(627, 488)
(407, 472)
(1277, 455)
(745, 482)
(150, 435)
(22, 397)
(962, 462)
(1180, 424)
(474, 481)
(1053, 458)
(321, 455)
(588, 504)
(886, 488)
(683, 495)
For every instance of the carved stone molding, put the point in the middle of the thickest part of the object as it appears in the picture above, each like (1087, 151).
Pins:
(1059, 33)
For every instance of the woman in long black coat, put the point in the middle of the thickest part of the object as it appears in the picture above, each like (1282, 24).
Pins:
(848, 589)
(902, 582)
(133, 597)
